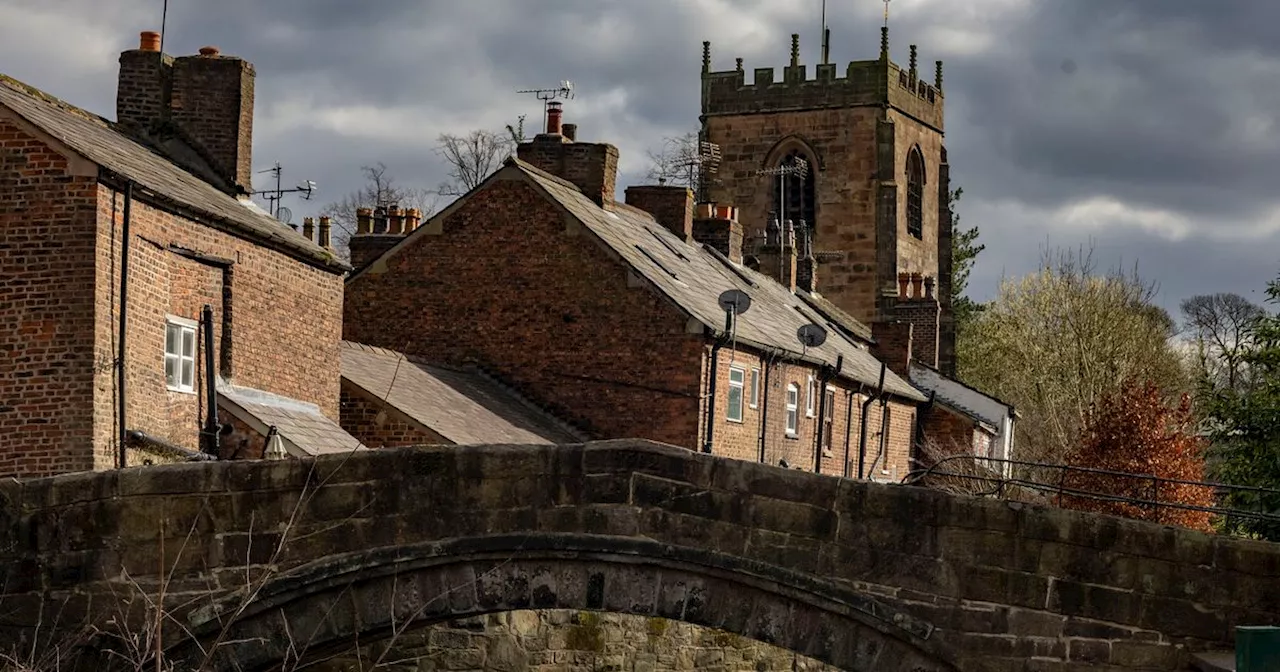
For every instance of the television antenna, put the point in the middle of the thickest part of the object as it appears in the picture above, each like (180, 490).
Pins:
(700, 167)
(273, 196)
(565, 91)
(798, 167)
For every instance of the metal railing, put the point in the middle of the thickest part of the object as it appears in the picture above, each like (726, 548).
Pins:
(992, 470)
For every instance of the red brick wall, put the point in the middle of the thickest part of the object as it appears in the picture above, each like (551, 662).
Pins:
(285, 319)
(47, 356)
(953, 433)
(360, 417)
(741, 440)
(508, 284)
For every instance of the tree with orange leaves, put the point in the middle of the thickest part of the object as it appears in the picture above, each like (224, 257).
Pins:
(1134, 430)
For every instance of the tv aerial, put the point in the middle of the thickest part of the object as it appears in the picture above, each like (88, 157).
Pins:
(273, 196)
(546, 95)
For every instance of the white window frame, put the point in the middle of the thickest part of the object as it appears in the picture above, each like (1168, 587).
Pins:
(793, 409)
(740, 386)
(828, 438)
(810, 393)
(754, 399)
(181, 358)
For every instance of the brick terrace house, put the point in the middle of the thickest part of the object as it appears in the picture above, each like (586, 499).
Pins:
(961, 419)
(89, 360)
(607, 314)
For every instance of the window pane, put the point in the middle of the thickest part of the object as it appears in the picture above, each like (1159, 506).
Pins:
(755, 387)
(188, 373)
(735, 376)
(170, 339)
(171, 371)
(791, 420)
(735, 402)
(188, 342)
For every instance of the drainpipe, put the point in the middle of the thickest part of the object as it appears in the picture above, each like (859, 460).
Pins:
(715, 374)
(848, 430)
(862, 438)
(825, 376)
(121, 369)
(764, 407)
(209, 437)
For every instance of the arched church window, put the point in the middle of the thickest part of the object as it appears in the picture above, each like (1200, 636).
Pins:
(793, 196)
(915, 193)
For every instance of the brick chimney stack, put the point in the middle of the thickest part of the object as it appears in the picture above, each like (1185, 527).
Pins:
(205, 100)
(778, 254)
(717, 226)
(378, 230)
(672, 207)
(917, 304)
(590, 166)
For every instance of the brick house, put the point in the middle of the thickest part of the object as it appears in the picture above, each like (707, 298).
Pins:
(103, 335)
(961, 419)
(608, 314)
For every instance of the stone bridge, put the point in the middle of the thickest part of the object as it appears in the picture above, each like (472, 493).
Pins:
(272, 565)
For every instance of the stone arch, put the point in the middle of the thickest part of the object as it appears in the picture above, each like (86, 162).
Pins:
(328, 605)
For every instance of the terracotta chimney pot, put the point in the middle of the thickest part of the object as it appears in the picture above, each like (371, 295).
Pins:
(209, 52)
(150, 41)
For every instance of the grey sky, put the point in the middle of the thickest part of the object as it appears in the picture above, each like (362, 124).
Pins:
(1146, 126)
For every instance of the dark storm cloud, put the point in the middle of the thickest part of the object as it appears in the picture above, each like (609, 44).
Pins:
(1145, 125)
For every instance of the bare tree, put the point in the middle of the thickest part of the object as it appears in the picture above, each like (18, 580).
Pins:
(677, 162)
(380, 189)
(472, 157)
(1219, 327)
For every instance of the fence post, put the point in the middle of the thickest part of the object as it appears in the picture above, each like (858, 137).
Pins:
(1257, 648)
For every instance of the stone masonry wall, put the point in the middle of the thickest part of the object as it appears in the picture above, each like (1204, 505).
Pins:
(849, 176)
(860, 575)
(508, 285)
(47, 355)
(574, 641)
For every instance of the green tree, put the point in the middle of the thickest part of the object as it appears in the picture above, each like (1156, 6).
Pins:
(1244, 426)
(964, 251)
(1055, 342)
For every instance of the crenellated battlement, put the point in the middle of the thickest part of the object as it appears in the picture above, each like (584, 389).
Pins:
(863, 83)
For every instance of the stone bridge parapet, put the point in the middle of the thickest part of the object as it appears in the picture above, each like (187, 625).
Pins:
(262, 564)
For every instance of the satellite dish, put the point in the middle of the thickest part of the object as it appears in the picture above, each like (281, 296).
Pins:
(812, 335)
(735, 300)
(284, 214)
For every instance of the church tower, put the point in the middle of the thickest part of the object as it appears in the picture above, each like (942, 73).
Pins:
(874, 198)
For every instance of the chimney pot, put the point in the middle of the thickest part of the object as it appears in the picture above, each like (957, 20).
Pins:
(309, 228)
(209, 51)
(555, 112)
(395, 220)
(150, 41)
(904, 285)
(917, 282)
(364, 221)
(570, 132)
(325, 240)
(928, 287)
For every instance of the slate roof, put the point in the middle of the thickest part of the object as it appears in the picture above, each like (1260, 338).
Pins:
(99, 141)
(464, 407)
(304, 430)
(694, 276)
(954, 394)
